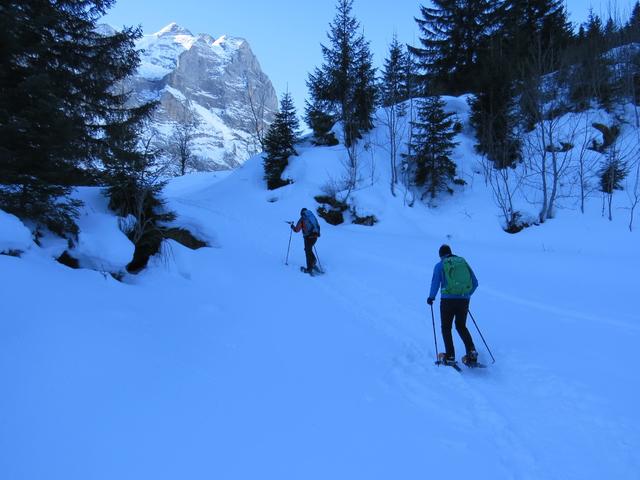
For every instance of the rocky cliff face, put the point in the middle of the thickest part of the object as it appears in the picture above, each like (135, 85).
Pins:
(217, 81)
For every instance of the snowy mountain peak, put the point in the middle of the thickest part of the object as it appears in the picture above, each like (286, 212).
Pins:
(172, 29)
(210, 74)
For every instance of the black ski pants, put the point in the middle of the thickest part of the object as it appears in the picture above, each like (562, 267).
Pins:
(457, 308)
(309, 242)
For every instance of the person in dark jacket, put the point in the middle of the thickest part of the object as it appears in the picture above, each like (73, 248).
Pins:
(458, 282)
(310, 232)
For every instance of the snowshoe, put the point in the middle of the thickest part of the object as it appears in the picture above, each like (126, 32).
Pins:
(304, 270)
(449, 362)
(470, 358)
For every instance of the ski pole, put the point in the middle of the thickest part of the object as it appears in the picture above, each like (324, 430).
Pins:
(435, 339)
(485, 343)
(286, 262)
(317, 257)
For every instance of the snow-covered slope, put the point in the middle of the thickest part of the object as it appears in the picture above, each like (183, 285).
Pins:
(226, 363)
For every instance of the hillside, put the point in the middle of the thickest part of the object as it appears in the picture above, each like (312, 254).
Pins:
(226, 363)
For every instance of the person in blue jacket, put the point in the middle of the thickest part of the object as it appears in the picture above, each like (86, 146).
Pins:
(454, 276)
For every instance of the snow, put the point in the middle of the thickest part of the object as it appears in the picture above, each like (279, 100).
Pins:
(101, 244)
(14, 236)
(226, 363)
(176, 93)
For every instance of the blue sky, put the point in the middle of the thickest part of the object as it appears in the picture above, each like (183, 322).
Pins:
(285, 35)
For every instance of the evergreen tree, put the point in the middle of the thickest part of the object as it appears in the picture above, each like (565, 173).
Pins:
(57, 77)
(320, 122)
(279, 143)
(394, 90)
(130, 171)
(432, 146)
(451, 34)
(612, 173)
(394, 87)
(494, 113)
(529, 25)
(343, 88)
(414, 84)
(591, 77)
(632, 28)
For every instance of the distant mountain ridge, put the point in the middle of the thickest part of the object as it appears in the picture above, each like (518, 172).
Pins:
(217, 79)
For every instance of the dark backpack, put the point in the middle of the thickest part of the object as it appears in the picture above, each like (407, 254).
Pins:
(311, 225)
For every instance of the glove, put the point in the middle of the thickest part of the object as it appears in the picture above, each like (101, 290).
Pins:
(430, 300)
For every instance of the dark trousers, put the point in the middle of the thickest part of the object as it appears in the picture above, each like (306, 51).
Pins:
(309, 242)
(457, 308)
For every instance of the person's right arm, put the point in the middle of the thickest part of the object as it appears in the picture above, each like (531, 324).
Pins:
(436, 280)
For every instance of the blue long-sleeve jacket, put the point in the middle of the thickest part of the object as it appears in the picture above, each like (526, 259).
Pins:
(438, 280)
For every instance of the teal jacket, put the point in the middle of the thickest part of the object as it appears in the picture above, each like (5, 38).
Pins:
(438, 280)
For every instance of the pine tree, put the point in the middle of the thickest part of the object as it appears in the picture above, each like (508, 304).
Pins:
(57, 78)
(611, 175)
(343, 88)
(394, 90)
(632, 28)
(432, 146)
(452, 32)
(494, 113)
(394, 86)
(592, 78)
(279, 143)
(530, 25)
(321, 122)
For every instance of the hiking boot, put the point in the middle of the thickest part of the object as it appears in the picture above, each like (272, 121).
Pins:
(471, 358)
(442, 358)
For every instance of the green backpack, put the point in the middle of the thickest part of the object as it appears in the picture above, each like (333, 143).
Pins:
(458, 276)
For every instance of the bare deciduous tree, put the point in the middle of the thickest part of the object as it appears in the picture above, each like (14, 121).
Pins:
(180, 145)
(256, 98)
(633, 192)
(505, 184)
(394, 121)
(549, 145)
(584, 159)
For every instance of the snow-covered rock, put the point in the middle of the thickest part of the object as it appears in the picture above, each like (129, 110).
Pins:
(14, 236)
(102, 245)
